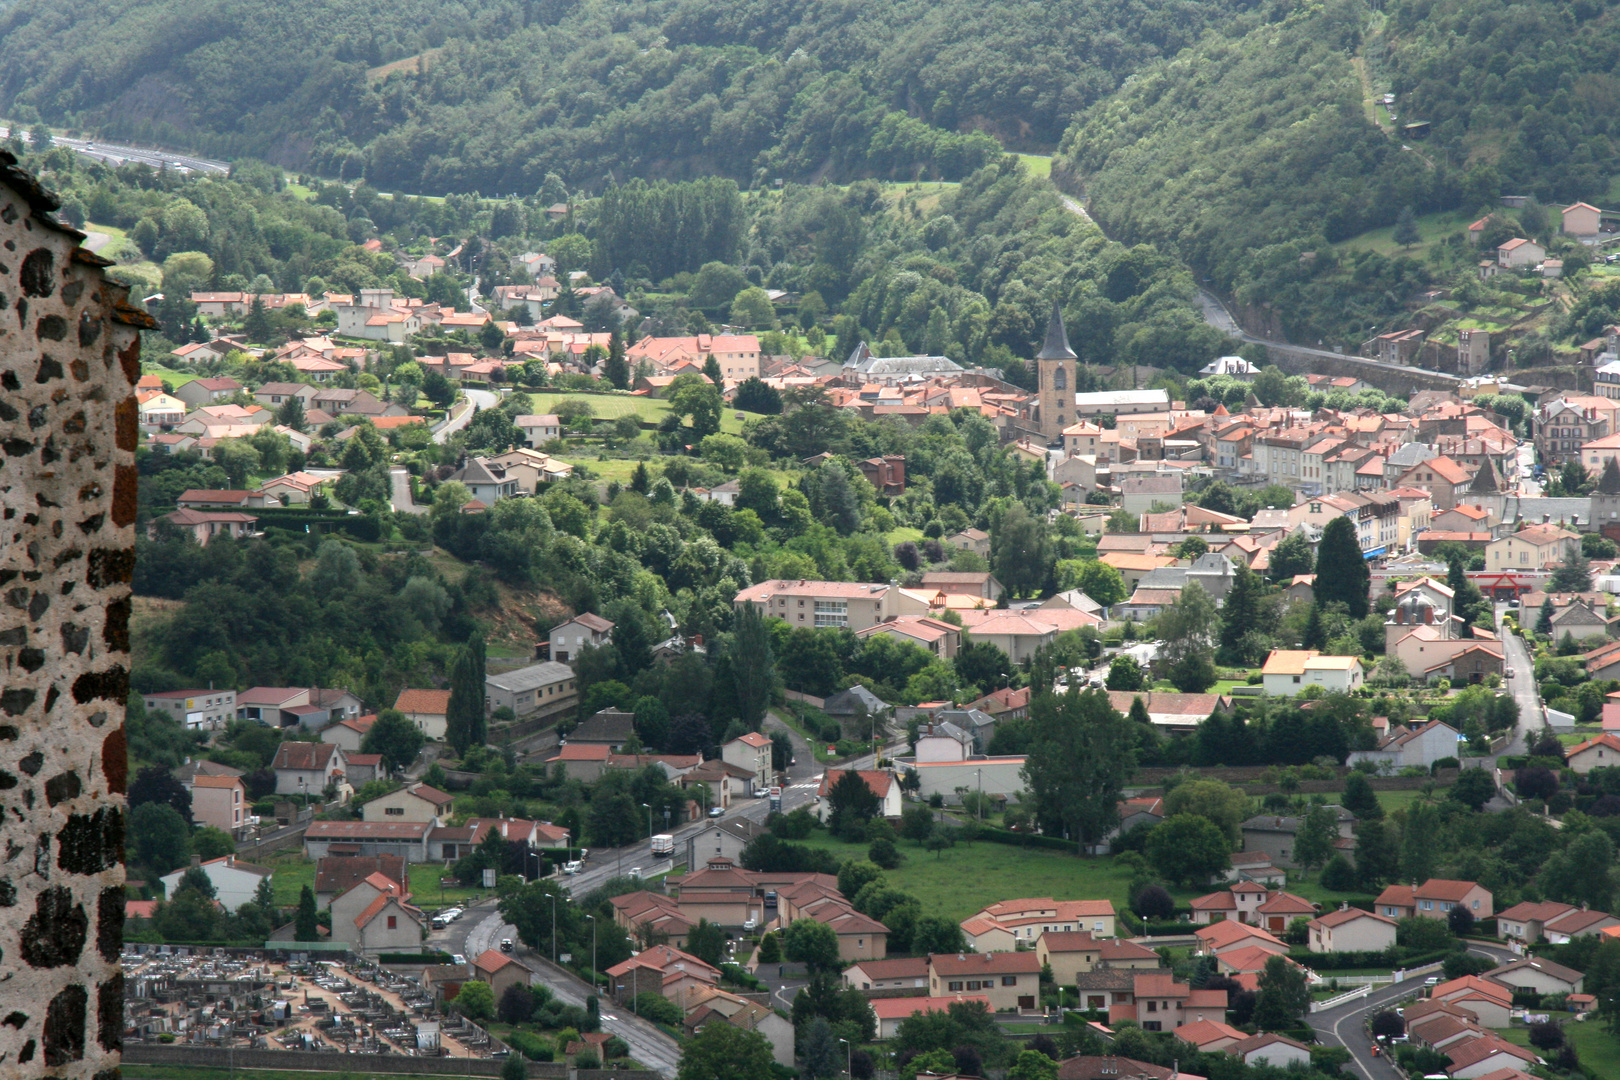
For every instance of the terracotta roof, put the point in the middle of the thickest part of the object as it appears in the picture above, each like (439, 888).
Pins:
(434, 702)
(897, 1008)
(215, 781)
(994, 963)
(1442, 889)
(1339, 918)
(303, 756)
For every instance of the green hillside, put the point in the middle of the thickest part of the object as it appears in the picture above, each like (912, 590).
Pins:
(491, 95)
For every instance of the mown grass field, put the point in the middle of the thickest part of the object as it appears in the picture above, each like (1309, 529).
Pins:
(1431, 227)
(959, 881)
(613, 406)
(292, 872)
(1598, 1050)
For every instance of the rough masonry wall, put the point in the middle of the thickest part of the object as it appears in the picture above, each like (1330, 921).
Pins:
(69, 358)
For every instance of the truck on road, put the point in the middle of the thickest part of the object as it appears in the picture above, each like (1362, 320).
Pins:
(663, 845)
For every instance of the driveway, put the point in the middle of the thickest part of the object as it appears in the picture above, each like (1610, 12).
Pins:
(399, 481)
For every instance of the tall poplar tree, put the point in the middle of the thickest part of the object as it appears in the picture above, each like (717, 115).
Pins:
(1341, 570)
(465, 725)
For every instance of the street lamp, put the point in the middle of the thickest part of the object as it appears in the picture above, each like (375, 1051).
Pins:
(553, 928)
(593, 952)
(648, 807)
(849, 1058)
(979, 807)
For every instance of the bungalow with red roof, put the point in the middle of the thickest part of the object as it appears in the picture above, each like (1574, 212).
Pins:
(1599, 752)
(1162, 1004)
(581, 761)
(418, 802)
(881, 783)
(1351, 930)
(1269, 1048)
(1490, 1001)
(1209, 1035)
(892, 1012)
(501, 971)
(1473, 1059)
(427, 709)
(1229, 935)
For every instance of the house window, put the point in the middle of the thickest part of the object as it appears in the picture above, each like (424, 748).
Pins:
(393, 922)
(394, 811)
(1153, 1006)
(1009, 980)
(955, 987)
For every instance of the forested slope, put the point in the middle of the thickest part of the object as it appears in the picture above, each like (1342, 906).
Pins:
(519, 88)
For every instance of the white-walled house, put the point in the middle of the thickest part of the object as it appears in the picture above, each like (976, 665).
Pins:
(1288, 671)
(234, 882)
(1351, 930)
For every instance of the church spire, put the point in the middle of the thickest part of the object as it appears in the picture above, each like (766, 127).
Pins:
(1057, 338)
(1486, 481)
(1609, 482)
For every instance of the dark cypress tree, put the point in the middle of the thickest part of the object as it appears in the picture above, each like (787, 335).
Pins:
(306, 927)
(257, 323)
(464, 721)
(1240, 616)
(615, 369)
(1341, 571)
(1315, 633)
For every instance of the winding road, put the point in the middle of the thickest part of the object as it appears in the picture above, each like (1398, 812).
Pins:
(1216, 314)
(119, 154)
(1346, 1025)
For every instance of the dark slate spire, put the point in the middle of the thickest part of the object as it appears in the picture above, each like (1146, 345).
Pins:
(1609, 482)
(1057, 338)
(1486, 481)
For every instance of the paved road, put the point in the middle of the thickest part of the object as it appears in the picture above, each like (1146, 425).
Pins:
(1522, 685)
(483, 928)
(1346, 1025)
(400, 496)
(119, 153)
(1217, 315)
(484, 399)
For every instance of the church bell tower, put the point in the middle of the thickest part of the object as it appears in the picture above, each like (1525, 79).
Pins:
(1055, 367)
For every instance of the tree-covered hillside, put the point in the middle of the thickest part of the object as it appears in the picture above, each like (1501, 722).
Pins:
(490, 95)
(1524, 95)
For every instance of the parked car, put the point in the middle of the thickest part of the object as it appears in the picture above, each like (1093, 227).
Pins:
(716, 811)
(635, 872)
(751, 924)
(572, 867)
(506, 944)
(457, 958)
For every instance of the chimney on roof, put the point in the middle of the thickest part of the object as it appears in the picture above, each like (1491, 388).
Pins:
(196, 860)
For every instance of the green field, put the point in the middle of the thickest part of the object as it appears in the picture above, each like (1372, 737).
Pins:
(613, 406)
(959, 881)
(292, 873)
(1598, 1050)
(1431, 227)
(901, 535)
(174, 378)
(1038, 164)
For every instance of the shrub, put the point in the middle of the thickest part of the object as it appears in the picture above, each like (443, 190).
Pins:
(1152, 902)
(587, 1059)
(1546, 1036)
(657, 1008)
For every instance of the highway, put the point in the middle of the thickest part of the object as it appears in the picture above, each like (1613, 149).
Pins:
(482, 927)
(119, 154)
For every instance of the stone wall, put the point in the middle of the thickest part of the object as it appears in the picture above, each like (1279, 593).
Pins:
(69, 359)
(345, 1064)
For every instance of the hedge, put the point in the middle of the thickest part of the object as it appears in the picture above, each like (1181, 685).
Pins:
(1023, 839)
(531, 1046)
(413, 958)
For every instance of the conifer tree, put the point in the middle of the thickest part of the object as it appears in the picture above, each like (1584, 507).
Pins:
(1341, 570)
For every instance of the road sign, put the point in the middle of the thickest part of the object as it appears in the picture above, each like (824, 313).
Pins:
(489, 877)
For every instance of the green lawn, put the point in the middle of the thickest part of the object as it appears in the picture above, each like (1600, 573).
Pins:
(293, 872)
(1431, 227)
(1598, 1050)
(173, 378)
(1039, 165)
(901, 535)
(613, 406)
(959, 881)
